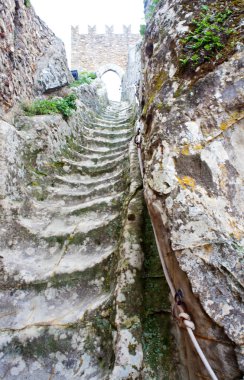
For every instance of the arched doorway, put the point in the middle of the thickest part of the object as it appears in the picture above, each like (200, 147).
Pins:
(113, 84)
(112, 75)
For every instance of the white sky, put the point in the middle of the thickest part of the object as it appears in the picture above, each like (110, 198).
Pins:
(59, 15)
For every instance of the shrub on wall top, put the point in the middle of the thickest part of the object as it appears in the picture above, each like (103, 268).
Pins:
(64, 105)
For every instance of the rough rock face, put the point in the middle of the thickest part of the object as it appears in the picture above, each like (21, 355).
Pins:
(32, 58)
(193, 156)
(131, 79)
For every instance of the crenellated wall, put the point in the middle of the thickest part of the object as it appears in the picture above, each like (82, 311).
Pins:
(92, 50)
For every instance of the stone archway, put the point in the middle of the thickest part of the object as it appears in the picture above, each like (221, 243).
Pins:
(110, 67)
(112, 76)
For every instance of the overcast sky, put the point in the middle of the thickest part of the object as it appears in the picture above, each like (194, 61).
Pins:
(60, 15)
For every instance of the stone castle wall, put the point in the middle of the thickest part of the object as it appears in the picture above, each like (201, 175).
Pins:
(91, 51)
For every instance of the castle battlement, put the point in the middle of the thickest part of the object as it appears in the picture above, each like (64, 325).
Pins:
(108, 30)
(92, 50)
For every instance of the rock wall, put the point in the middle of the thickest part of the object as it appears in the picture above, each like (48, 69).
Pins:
(32, 58)
(131, 79)
(192, 152)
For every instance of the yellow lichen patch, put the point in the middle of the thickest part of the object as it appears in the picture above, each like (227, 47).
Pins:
(198, 147)
(237, 233)
(185, 150)
(159, 80)
(187, 182)
(146, 107)
(236, 116)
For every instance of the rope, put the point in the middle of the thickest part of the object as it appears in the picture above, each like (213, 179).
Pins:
(166, 273)
(140, 160)
(183, 316)
(201, 354)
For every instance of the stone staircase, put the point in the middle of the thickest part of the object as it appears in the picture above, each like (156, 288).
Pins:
(59, 258)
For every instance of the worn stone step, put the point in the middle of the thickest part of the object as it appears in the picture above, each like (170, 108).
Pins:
(118, 106)
(76, 179)
(56, 218)
(73, 167)
(59, 350)
(95, 157)
(101, 150)
(105, 142)
(36, 258)
(109, 127)
(44, 211)
(82, 193)
(109, 203)
(50, 307)
(115, 113)
(40, 268)
(95, 168)
(110, 121)
(102, 132)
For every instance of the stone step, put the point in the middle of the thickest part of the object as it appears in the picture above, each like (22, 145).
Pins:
(95, 168)
(78, 217)
(115, 122)
(105, 142)
(73, 167)
(102, 150)
(118, 106)
(102, 132)
(113, 113)
(110, 202)
(109, 127)
(50, 307)
(96, 157)
(36, 264)
(54, 217)
(83, 193)
(59, 350)
(88, 181)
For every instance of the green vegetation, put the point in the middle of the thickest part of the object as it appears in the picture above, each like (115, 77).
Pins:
(151, 9)
(27, 3)
(65, 106)
(142, 29)
(208, 37)
(85, 77)
(157, 345)
(38, 347)
(157, 342)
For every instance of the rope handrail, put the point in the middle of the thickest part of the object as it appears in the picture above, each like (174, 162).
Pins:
(183, 316)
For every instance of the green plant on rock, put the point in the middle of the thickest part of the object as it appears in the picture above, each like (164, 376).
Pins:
(27, 3)
(64, 105)
(151, 9)
(85, 77)
(142, 29)
(207, 38)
